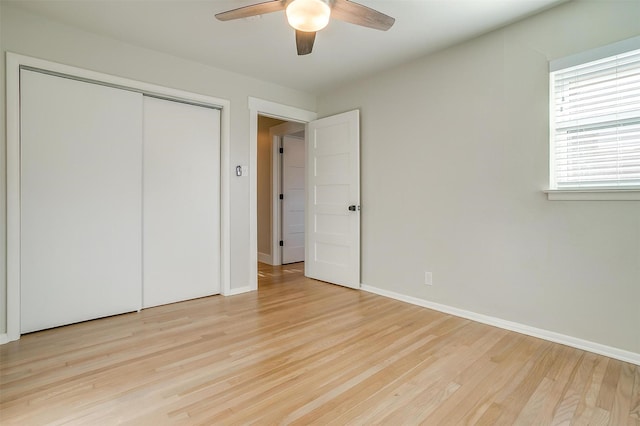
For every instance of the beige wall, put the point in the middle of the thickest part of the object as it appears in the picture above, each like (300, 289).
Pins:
(24, 33)
(265, 183)
(454, 157)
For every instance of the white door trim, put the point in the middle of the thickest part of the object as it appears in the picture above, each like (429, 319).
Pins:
(275, 110)
(13, 64)
(275, 134)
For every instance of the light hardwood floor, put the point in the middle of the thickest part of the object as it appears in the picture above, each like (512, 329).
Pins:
(304, 352)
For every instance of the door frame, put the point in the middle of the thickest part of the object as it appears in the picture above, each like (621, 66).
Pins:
(275, 110)
(276, 133)
(13, 64)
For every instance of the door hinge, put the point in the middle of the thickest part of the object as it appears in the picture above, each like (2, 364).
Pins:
(281, 243)
(281, 150)
(282, 196)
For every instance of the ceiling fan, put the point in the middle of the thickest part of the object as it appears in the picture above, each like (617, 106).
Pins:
(310, 16)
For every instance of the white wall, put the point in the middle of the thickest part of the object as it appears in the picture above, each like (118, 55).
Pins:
(454, 157)
(31, 35)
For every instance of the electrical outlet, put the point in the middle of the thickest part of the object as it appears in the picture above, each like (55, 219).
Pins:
(428, 278)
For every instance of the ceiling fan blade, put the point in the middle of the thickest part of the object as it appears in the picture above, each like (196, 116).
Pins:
(252, 10)
(304, 42)
(358, 14)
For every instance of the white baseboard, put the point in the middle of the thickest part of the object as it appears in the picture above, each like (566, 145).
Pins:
(265, 258)
(4, 338)
(239, 290)
(551, 336)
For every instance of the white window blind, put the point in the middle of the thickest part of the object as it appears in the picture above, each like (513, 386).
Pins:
(595, 119)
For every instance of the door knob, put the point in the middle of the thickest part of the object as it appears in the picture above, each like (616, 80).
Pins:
(353, 208)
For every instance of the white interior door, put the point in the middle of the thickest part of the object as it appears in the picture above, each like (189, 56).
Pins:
(293, 159)
(333, 200)
(181, 200)
(81, 170)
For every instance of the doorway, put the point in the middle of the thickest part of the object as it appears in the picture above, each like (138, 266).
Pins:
(332, 253)
(280, 191)
(261, 107)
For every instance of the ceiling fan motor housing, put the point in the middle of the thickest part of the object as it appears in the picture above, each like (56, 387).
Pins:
(310, 16)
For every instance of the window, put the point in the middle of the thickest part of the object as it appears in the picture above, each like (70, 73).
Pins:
(595, 119)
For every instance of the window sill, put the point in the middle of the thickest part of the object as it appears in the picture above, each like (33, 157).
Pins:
(593, 194)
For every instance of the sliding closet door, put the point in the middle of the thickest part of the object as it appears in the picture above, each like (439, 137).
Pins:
(181, 238)
(81, 156)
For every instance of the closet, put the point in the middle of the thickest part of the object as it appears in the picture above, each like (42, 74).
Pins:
(181, 219)
(120, 200)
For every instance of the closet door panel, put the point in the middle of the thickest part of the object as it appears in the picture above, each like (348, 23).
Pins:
(181, 199)
(81, 170)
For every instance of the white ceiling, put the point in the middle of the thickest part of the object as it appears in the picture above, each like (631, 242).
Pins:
(264, 47)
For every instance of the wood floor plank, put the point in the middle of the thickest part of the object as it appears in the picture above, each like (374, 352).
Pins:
(576, 383)
(634, 411)
(621, 410)
(299, 352)
(609, 385)
(584, 411)
(552, 401)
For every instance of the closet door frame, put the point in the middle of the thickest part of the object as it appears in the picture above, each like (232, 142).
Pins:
(14, 62)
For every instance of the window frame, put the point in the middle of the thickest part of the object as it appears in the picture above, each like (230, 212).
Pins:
(585, 193)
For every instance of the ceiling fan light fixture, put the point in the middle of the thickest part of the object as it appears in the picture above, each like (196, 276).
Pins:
(308, 15)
